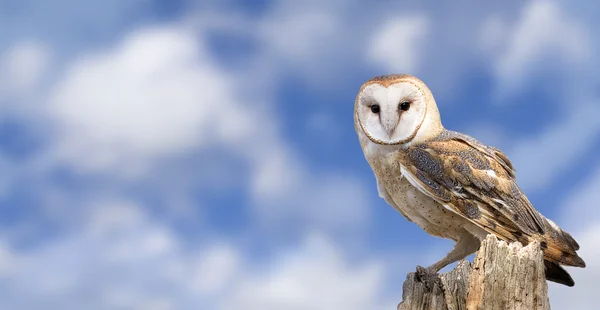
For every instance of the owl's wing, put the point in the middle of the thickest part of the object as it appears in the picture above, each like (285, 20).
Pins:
(489, 151)
(478, 183)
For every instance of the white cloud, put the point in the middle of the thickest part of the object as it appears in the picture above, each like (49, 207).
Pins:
(302, 39)
(308, 40)
(395, 46)
(122, 258)
(558, 146)
(7, 260)
(314, 276)
(311, 29)
(216, 269)
(284, 191)
(23, 65)
(153, 95)
(123, 110)
(492, 34)
(578, 211)
(117, 257)
(156, 95)
(543, 34)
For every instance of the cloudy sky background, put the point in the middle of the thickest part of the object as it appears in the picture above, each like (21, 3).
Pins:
(162, 154)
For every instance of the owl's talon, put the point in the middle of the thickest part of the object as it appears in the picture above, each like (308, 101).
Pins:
(427, 276)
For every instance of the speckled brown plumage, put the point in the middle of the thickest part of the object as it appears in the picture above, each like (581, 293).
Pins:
(479, 183)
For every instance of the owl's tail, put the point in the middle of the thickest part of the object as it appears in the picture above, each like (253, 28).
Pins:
(556, 273)
(559, 249)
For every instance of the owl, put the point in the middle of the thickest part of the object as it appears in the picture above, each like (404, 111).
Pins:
(449, 184)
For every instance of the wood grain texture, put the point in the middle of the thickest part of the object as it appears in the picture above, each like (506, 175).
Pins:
(502, 276)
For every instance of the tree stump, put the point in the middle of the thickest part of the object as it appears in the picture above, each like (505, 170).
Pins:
(502, 276)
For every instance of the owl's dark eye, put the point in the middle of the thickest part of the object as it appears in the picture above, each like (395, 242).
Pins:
(375, 108)
(404, 106)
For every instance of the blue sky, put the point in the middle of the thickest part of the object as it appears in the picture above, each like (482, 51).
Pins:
(202, 155)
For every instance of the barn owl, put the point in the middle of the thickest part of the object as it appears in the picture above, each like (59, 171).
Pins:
(449, 184)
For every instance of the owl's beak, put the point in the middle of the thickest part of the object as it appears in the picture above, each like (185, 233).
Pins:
(391, 132)
(390, 124)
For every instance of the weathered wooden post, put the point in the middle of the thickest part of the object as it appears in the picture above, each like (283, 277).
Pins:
(502, 276)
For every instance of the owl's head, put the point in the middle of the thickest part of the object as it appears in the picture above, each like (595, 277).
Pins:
(396, 109)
